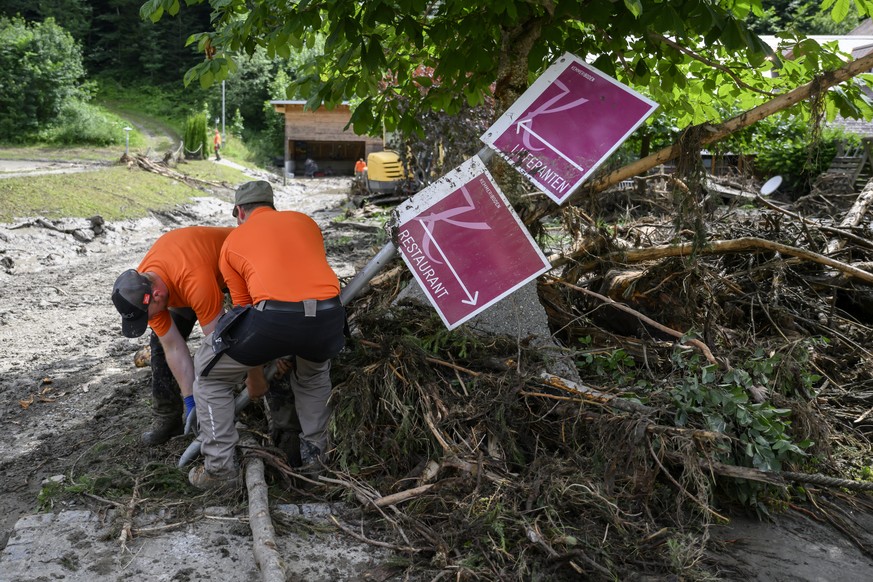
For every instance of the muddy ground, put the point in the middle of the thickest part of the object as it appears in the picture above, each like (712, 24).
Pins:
(73, 404)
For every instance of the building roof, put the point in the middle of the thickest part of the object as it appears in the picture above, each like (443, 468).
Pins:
(847, 43)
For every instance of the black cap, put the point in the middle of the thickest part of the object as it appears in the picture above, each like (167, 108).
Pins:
(131, 295)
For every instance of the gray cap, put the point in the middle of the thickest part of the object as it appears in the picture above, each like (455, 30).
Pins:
(251, 192)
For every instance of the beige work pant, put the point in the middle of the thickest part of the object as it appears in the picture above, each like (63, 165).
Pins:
(214, 395)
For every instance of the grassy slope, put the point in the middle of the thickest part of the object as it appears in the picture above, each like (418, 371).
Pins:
(114, 193)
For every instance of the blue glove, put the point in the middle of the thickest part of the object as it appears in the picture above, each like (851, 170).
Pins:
(189, 405)
(190, 414)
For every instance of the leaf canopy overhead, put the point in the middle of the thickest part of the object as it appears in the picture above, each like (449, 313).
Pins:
(698, 59)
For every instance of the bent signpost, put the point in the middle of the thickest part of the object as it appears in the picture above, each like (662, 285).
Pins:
(464, 245)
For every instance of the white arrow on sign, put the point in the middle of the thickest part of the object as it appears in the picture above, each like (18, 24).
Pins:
(525, 125)
(471, 299)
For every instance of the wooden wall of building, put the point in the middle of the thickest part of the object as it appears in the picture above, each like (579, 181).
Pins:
(321, 135)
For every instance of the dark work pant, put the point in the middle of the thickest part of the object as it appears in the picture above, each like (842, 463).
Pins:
(263, 336)
(164, 385)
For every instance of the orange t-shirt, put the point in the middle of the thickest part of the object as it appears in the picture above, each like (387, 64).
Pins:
(279, 256)
(186, 259)
(216, 140)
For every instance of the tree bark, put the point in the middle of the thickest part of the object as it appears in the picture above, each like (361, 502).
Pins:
(263, 535)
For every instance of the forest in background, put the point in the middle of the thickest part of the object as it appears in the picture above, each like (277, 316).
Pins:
(124, 62)
(114, 61)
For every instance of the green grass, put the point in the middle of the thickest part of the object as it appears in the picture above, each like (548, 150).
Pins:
(115, 193)
(209, 170)
(70, 154)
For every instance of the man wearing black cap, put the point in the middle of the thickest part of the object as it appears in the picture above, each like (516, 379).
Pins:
(275, 267)
(177, 284)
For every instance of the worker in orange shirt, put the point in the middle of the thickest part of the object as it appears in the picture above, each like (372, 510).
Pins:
(286, 303)
(177, 284)
(216, 143)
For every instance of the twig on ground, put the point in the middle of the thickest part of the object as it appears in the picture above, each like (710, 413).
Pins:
(379, 544)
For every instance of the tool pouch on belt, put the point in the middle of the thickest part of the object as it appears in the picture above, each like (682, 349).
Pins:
(222, 336)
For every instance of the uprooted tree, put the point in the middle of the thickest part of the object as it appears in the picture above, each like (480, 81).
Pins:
(710, 346)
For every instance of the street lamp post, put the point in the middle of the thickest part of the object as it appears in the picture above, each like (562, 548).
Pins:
(127, 140)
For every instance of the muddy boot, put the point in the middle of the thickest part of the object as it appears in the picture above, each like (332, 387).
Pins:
(312, 460)
(166, 423)
(289, 443)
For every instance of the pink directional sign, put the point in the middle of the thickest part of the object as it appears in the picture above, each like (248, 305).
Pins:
(566, 124)
(464, 244)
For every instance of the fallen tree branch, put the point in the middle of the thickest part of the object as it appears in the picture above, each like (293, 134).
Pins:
(716, 247)
(679, 335)
(859, 240)
(430, 360)
(264, 544)
(376, 543)
(780, 478)
(700, 503)
(397, 498)
(146, 164)
(129, 510)
(854, 216)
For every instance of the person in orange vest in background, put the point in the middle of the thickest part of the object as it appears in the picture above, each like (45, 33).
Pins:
(216, 141)
(360, 171)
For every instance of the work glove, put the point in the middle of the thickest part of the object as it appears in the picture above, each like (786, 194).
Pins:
(190, 414)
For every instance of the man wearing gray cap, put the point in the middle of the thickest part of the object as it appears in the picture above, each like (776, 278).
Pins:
(286, 299)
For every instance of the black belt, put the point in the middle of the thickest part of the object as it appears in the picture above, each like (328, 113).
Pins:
(298, 306)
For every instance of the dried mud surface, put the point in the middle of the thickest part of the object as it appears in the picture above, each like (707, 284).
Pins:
(67, 378)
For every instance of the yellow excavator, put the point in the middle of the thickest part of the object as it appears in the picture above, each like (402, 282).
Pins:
(385, 179)
(384, 172)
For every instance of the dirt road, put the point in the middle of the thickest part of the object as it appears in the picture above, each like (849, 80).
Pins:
(72, 399)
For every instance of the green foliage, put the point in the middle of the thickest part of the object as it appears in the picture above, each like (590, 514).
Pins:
(617, 366)
(169, 102)
(77, 15)
(40, 71)
(721, 401)
(785, 145)
(458, 342)
(237, 124)
(82, 123)
(48, 495)
(376, 51)
(197, 142)
(807, 17)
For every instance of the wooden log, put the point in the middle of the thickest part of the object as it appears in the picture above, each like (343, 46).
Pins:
(264, 544)
(853, 217)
